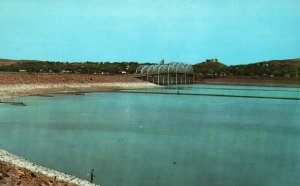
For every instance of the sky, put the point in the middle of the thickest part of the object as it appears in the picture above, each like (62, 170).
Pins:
(190, 31)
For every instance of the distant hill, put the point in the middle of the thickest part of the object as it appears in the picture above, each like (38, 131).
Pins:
(279, 68)
(6, 62)
(287, 67)
(292, 62)
(210, 66)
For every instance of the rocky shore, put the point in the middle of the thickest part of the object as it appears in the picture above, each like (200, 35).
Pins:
(24, 84)
(18, 171)
(15, 90)
(42, 78)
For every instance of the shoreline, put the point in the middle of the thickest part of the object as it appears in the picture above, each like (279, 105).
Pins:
(249, 81)
(15, 170)
(17, 90)
(257, 84)
(249, 84)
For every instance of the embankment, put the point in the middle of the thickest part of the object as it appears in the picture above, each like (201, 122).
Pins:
(15, 90)
(23, 84)
(18, 171)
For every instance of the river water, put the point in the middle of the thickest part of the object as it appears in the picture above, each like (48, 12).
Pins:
(135, 139)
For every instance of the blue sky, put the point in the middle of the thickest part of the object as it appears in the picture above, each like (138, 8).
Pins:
(235, 32)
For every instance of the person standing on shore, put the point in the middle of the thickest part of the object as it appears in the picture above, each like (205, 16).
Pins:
(93, 175)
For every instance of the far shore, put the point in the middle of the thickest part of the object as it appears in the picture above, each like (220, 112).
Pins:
(251, 81)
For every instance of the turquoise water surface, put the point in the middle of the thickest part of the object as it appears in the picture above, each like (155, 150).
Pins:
(162, 139)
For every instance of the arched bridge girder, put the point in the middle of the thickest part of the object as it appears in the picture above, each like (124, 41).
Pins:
(189, 68)
(144, 68)
(163, 69)
(149, 69)
(171, 69)
(172, 73)
(139, 69)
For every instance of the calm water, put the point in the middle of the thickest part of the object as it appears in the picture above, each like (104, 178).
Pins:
(156, 139)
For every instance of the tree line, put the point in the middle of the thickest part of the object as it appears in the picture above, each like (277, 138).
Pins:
(85, 68)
